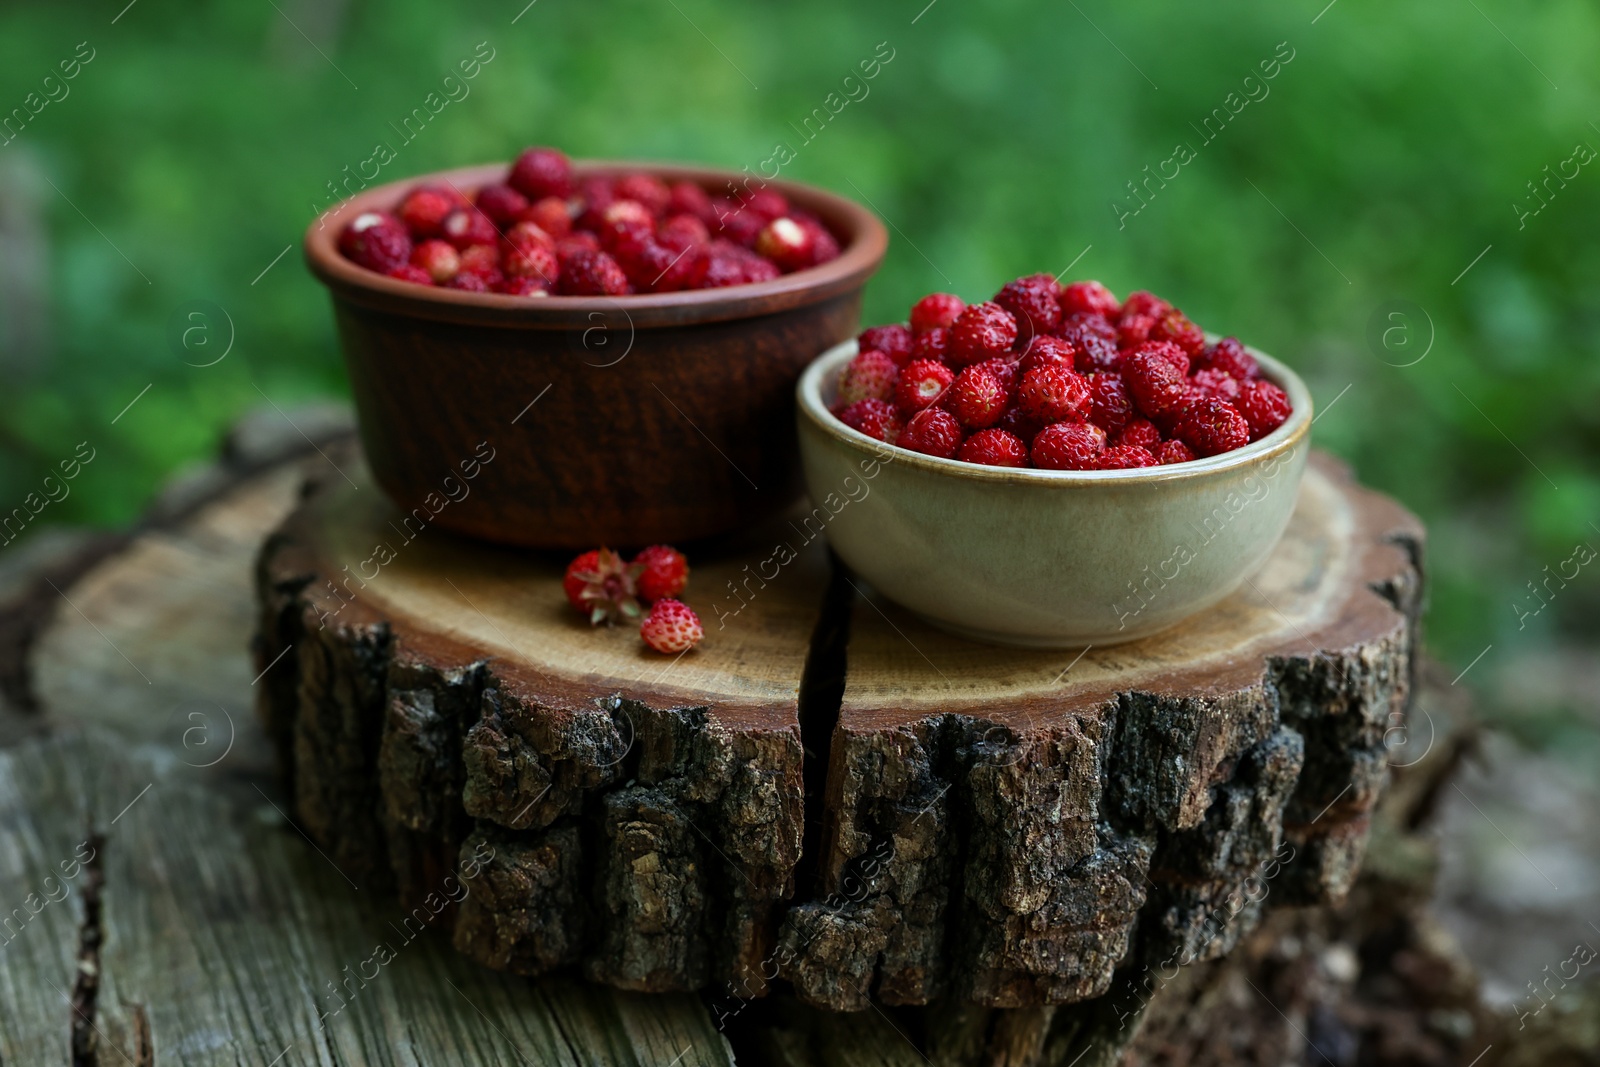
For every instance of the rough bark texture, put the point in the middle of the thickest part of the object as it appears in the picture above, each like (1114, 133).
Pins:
(1009, 845)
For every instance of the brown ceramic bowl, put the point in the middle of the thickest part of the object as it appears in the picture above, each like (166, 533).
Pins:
(621, 421)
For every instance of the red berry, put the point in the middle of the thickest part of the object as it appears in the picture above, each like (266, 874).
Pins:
(1264, 407)
(1134, 330)
(736, 266)
(1140, 432)
(994, 448)
(480, 259)
(595, 194)
(787, 243)
(981, 332)
(1144, 303)
(406, 272)
(376, 240)
(1047, 351)
(532, 261)
(687, 198)
(529, 233)
(737, 224)
(1094, 340)
(1230, 356)
(875, 418)
(935, 310)
(1053, 394)
(767, 203)
(1211, 427)
(438, 258)
(424, 208)
(671, 628)
(1033, 304)
(922, 384)
(1068, 446)
(473, 282)
(663, 572)
(933, 432)
(551, 216)
(523, 285)
(1157, 386)
(1175, 326)
(1089, 297)
(977, 398)
(468, 226)
(503, 204)
(1019, 423)
(933, 345)
(870, 376)
(1126, 457)
(645, 189)
(894, 341)
(624, 227)
(586, 273)
(824, 246)
(1173, 452)
(680, 231)
(541, 172)
(1169, 352)
(602, 586)
(1214, 382)
(1004, 368)
(573, 242)
(1110, 406)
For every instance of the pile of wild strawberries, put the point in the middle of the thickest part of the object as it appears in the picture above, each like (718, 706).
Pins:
(605, 588)
(545, 231)
(1062, 377)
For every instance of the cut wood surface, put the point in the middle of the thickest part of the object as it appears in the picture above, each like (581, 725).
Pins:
(829, 790)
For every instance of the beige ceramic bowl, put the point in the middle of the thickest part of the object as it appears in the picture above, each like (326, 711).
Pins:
(1047, 558)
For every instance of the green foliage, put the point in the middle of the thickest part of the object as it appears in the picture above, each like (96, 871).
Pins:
(1386, 156)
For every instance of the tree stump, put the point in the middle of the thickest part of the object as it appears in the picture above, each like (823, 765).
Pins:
(829, 791)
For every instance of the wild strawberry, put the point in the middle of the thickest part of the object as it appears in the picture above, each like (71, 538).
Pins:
(933, 432)
(439, 258)
(994, 448)
(786, 243)
(407, 272)
(1211, 427)
(1089, 297)
(1134, 330)
(729, 268)
(921, 384)
(1155, 382)
(933, 345)
(1047, 351)
(1053, 394)
(529, 233)
(646, 189)
(663, 572)
(687, 198)
(1175, 326)
(1094, 341)
(550, 215)
(1126, 457)
(1110, 406)
(875, 418)
(1068, 446)
(1214, 382)
(523, 285)
(1173, 452)
(586, 273)
(468, 226)
(1033, 304)
(1004, 369)
(735, 223)
(652, 267)
(602, 586)
(503, 204)
(678, 232)
(472, 282)
(870, 376)
(1140, 432)
(479, 259)
(625, 226)
(532, 261)
(935, 310)
(1019, 424)
(981, 332)
(424, 208)
(1169, 352)
(976, 398)
(824, 245)
(895, 341)
(578, 240)
(1264, 406)
(671, 628)
(1230, 356)
(767, 203)
(541, 172)
(376, 240)
(1144, 303)
(595, 194)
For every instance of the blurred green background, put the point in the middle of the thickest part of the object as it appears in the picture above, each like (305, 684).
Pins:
(1387, 155)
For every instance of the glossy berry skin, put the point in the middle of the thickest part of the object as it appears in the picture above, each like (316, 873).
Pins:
(1089, 298)
(1173, 452)
(408, 272)
(502, 204)
(483, 260)
(977, 398)
(467, 226)
(933, 346)
(870, 376)
(1214, 382)
(1110, 405)
(472, 282)
(1019, 424)
(1045, 350)
(671, 628)
(1126, 457)
(438, 258)
(1094, 342)
(1142, 302)
(525, 232)
(1134, 330)
(645, 189)
(687, 198)
(1264, 407)
(921, 384)
(602, 586)
(787, 243)
(1033, 304)
(1229, 355)
(1210, 426)
(1156, 384)
(767, 203)
(875, 418)
(662, 572)
(541, 172)
(1068, 446)
(680, 231)
(424, 209)
(895, 341)
(532, 261)
(1140, 432)
(933, 432)
(376, 240)
(1169, 352)
(935, 310)
(550, 215)
(1053, 394)
(981, 332)
(586, 273)
(994, 448)
(1175, 327)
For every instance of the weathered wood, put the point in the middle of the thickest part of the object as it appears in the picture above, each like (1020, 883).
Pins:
(993, 824)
